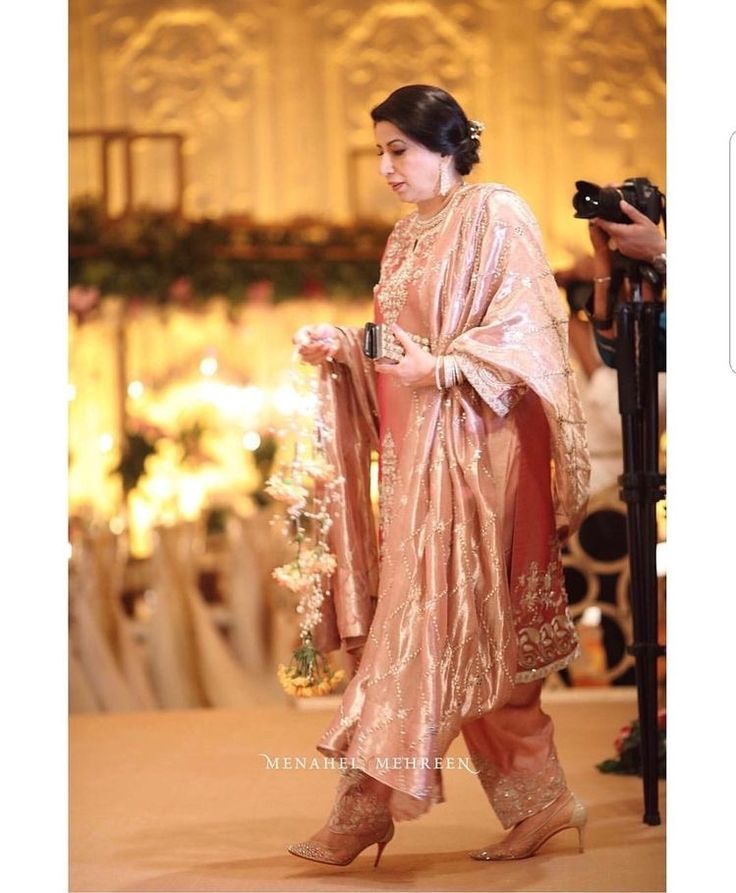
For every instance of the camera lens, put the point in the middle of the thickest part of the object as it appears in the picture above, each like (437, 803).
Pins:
(586, 200)
(591, 200)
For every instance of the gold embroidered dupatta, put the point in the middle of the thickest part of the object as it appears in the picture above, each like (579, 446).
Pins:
(471, 599)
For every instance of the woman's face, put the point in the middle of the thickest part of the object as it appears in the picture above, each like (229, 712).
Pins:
(411, 170)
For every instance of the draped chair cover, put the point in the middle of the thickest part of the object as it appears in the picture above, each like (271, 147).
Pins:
(97, 630)
(193, 665)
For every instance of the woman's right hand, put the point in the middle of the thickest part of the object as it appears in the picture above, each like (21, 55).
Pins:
(317, 343)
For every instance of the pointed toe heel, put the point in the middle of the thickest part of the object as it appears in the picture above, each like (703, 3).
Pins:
(359, 817)
(566, 812)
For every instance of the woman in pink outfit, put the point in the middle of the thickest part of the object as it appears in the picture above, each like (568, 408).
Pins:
(483, 473)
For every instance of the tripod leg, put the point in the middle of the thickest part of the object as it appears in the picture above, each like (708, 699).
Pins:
(650, 449)
(637, 405)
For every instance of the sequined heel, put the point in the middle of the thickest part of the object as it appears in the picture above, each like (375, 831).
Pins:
(320, 852)
(357, 812)
(565, 813)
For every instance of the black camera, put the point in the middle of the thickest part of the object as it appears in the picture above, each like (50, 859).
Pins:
(591, 200)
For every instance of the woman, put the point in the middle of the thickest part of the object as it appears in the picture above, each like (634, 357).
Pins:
(471, 612)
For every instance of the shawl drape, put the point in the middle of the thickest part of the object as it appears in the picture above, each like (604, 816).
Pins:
(479, 485)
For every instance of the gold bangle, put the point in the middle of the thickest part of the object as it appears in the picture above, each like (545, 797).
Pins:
(449, 377)
(601, 279)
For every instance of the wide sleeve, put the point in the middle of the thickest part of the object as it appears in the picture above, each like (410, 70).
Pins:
(347, 393)
(513, 336)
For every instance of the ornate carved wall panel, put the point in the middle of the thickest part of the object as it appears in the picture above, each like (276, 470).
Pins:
(273, 99)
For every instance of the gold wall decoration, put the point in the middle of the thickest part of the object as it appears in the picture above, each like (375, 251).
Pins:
(362, 66)
(273, 99)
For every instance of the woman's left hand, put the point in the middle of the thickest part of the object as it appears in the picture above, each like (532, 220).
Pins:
(601, 250)
(416, 367)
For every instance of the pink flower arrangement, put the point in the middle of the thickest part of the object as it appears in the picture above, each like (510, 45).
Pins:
(181, 290)
(83, 299)
(627, 745)
(624, 732)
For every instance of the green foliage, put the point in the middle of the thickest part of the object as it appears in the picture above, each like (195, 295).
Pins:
(132, 465)
(161, 258)
(263, 457)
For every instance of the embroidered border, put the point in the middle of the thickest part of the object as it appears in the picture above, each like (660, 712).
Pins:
(542, 672)
(516, 795)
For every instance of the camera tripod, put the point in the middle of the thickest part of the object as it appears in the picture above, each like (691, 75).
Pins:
(642, 486)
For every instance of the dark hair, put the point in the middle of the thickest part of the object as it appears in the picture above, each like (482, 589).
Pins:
(430, 116)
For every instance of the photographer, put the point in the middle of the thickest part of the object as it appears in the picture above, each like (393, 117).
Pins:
(639, 240)
(629, 267)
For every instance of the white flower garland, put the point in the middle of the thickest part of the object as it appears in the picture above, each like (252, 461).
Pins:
(307, 486)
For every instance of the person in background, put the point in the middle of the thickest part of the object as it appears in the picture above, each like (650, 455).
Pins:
(640, 240)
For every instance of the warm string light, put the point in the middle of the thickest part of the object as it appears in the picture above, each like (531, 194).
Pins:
(136, 390)
(117, 525)
(208, 366)
(251, 440)
(308, 487)
(164, 352)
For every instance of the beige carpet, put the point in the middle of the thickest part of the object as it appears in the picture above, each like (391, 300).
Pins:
(182, 801)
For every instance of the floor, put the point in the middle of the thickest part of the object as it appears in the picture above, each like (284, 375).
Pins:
(185, 801)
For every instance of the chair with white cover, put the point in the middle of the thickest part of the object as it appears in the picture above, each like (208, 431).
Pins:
(192, 664)
(105, 661)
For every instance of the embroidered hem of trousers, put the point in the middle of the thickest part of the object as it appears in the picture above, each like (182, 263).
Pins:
(513, 750)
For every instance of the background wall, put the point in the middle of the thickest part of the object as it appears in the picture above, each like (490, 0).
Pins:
(273, 98)
(180, 382)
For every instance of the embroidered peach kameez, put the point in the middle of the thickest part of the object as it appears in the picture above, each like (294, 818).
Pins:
(465, 605)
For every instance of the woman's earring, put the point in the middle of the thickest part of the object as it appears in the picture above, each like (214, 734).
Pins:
(444, 180)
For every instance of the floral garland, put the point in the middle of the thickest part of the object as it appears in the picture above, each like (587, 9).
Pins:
(307, 486)
(152, 257)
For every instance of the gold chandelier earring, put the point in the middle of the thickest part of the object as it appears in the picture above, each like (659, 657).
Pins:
(444, 180)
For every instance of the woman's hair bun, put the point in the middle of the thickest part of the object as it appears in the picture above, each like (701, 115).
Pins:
(434, 118)
(467, 155)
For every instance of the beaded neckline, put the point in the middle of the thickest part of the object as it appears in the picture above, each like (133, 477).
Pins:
(425, 222)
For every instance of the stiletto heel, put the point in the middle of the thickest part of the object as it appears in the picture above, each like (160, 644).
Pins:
(358, 813)
(382, 843)
(578, 820)
(565, 812)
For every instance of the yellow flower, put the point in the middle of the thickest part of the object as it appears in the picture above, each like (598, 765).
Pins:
(323, 681)
(300, 680)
